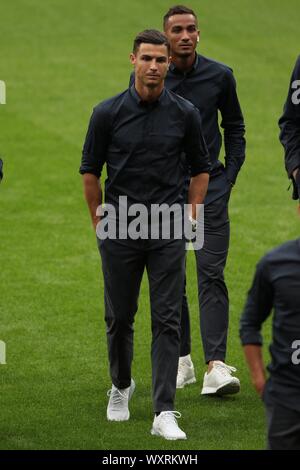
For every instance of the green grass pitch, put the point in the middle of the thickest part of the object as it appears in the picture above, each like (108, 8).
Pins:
(58, 59)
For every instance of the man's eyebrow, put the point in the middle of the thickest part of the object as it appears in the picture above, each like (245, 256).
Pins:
(187, 26)
(147, 56)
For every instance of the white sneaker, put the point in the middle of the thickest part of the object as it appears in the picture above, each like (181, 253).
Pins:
(219, 380)
(165, 425)
(186, 373)
(117, 409)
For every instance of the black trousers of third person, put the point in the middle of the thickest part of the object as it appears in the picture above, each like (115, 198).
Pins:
(212, 290)
(123, 264)
(283, 427)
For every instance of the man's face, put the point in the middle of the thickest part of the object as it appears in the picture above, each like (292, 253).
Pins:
(151, 63)
(182, 32)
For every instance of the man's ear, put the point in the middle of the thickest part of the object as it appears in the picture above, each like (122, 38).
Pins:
(132, 58)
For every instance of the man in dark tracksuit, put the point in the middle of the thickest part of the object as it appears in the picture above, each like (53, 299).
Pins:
(211, 87)
(289, 124)
(141, 134)
(276, 285)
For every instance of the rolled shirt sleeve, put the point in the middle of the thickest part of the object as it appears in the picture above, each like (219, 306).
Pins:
(258, 305)
(96, 142)
(195, 146)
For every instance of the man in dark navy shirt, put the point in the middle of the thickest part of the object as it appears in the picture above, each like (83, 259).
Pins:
(211, 87)
(289, 124)
(276, 285)
(141, 135)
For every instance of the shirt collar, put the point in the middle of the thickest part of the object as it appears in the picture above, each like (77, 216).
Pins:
(139, 100)
(174, 69)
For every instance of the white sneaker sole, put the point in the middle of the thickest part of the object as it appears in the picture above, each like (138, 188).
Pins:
(229, 388)
(187, 382)
(126, 418)
(157, 433)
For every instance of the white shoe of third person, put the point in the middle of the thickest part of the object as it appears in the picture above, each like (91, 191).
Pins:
(165, 425)
(186, 372)
(219, 380)
(117, 409)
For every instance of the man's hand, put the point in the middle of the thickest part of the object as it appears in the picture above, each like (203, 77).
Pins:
(255, 362)
(259, 385)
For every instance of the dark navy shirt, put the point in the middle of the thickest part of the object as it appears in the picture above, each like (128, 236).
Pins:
(211, 87)
(276, 285)
(143, 146)
(289, 124)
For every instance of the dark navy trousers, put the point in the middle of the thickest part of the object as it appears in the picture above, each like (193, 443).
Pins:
(123, 264)
(283, 427)
(212, 290)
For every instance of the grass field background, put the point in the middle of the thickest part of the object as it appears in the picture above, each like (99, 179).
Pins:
(58, 59)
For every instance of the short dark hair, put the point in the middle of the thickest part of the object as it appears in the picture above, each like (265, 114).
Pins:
(178, 10)
(150, 36)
